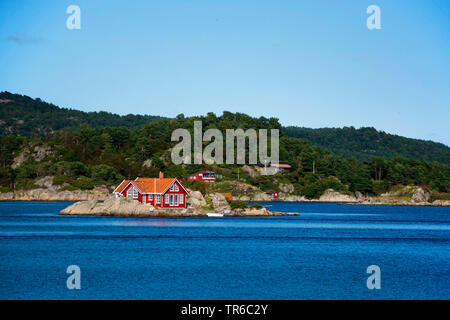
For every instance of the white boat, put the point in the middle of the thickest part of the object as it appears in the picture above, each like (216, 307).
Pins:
(213, 214)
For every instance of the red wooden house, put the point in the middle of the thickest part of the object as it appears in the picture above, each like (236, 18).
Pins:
(159, 192)
(204, 176)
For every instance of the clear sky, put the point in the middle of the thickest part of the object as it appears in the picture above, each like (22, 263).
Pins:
(308, 63)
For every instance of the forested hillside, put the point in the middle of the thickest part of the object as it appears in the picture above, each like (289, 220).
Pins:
(366, 143)
(84, 157)
(24, 116)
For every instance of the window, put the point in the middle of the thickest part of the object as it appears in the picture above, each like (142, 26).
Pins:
(150, 197)
(166, 199)
(158, 199)
(181, 198)
(174, 187)
(176, 200)
(135, 193)
(129, 192)
(171, 199)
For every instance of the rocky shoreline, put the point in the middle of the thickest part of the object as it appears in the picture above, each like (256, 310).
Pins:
(132, 208)
(99, 194)
(404, 196)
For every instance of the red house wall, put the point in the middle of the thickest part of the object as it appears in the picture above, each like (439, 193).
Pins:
(198, 178)
(144, 198)
(124, 193)
(180, 191)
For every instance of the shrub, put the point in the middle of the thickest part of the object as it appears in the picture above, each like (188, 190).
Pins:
(238, 204)
(60, 179)
(316, 189)
(104, 173)
(83, 183)
(71, 169)
(439, 196)
(379, 187)
(256, 206)
(68, 188)
(26, 170)
(4, 189)
(203, 187)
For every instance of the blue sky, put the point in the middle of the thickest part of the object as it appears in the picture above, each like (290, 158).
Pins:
(308, 63)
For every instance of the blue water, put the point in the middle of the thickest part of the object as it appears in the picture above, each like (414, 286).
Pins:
(322, 254)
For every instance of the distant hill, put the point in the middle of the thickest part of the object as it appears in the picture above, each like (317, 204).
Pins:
(23, 116)
(366, 143)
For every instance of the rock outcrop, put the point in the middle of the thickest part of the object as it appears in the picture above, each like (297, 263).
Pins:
(196, 199)
(420, 195)
(41, 194)
(286, 188)
(126, 207)
(45, 182)
(147, 163)
(405, 196)
(250, 171)
(292, 198)
(38, 153)
(442, 203)
(261, 196)
(250, 212)
(219, 202)
(333, 196)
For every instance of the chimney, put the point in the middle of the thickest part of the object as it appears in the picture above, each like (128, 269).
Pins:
(161, 175)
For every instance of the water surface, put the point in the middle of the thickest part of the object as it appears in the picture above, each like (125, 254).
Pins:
(322, 254)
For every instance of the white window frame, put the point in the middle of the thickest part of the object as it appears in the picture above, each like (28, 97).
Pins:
(129, 192)
(175, 200)
(150, 197)
(135, 193)
(171, 200)
(181, 198)
(166, 199)
(158, 198)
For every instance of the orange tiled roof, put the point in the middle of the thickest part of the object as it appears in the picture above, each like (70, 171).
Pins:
(228, 195)
(147, 185)
(122, 186)
(280, 165)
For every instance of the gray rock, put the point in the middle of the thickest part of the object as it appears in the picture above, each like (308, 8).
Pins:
(45, 182)
(286, 188)
(112, 206)
(420, 195)
(333, 196)
(262, 197)
(250, 171)
(81, 207)
(196, 199)
(147, 163)
(219, 202)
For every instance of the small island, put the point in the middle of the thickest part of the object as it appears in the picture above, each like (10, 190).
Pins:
(197, 206)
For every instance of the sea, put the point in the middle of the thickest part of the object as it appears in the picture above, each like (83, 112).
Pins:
(330, 251)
